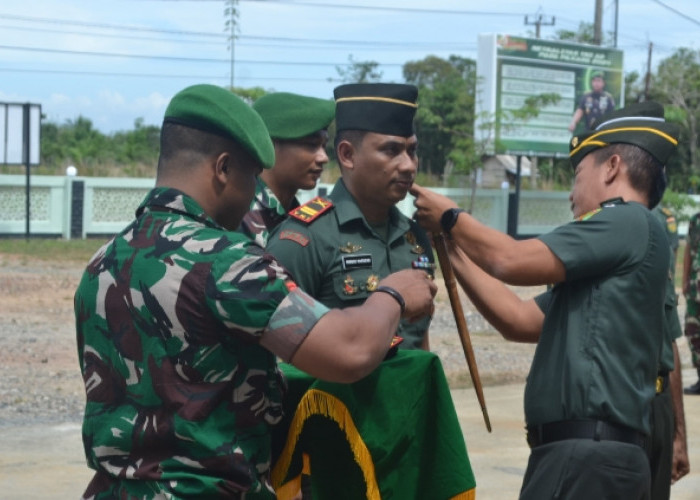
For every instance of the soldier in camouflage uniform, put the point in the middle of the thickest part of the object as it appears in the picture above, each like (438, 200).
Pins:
(179, 320)
(691, 290)
(298, 127)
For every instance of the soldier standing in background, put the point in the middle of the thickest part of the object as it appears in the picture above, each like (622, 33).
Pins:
(691, 290)
(668, 448)
(298, 128)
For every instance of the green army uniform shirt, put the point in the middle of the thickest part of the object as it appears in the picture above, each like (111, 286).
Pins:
(338, 258)
(598, 353)
(668, 220)
(266, 213)
(180, 393)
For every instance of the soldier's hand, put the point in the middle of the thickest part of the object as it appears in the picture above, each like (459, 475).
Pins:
(429, 208)
(417, 289)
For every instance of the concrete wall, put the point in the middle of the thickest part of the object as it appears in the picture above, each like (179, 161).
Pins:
(80, 207)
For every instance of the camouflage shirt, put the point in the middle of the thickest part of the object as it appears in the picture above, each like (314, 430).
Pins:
(266, 213)
(180, 393)
(693, 242)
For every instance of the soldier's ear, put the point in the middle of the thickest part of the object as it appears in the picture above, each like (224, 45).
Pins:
(346, 154)
(221, 167)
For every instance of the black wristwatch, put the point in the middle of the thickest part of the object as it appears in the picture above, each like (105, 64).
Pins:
(449, 219)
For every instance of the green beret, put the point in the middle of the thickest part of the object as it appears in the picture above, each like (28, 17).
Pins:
(385, 108)
(216, 110)
(640, 124)
(597, 74)
(292, 116)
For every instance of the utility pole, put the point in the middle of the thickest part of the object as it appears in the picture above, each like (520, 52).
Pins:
(538, 20)
(647, 80)
(597, 23)
(231, 13)
(617, 14)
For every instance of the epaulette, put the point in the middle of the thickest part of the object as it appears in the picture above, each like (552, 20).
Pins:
(311, 210)
(588, 215)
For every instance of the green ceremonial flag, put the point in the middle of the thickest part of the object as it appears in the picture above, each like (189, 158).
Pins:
(394, 434)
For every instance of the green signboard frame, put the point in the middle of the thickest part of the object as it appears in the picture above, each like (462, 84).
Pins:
(511, 69)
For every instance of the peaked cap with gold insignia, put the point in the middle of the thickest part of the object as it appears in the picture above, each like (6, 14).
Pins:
(640, 124)
(384, 108)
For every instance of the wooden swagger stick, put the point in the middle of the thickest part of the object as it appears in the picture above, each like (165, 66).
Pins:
(451, 285)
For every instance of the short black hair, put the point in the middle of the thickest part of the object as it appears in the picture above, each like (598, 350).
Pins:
(354, 137)
(177, 140)
(646, 174)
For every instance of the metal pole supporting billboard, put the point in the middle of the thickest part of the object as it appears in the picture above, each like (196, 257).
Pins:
(26, 160)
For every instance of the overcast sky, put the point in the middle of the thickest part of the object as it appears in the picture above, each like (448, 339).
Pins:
(115, 61)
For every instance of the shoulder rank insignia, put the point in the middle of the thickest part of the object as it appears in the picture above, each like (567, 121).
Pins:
(311, 210)
(588, 215)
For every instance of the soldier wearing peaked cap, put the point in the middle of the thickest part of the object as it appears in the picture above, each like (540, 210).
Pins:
(180, 319)
(338, 249)
(600, 329)
(298, 127)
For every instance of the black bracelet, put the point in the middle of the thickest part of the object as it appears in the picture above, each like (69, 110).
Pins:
(395, 294)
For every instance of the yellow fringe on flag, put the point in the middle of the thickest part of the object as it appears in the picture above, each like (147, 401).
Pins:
(467, 495)
(316, 402)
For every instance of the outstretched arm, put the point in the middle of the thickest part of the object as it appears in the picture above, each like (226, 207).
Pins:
(516, 262)
(516, 319)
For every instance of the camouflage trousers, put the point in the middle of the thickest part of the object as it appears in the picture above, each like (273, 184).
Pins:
(692, 330)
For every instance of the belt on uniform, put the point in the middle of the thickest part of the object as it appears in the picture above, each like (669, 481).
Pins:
(661, 383)
(598, 430)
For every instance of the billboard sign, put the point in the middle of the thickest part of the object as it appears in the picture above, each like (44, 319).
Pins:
(512, 69)
(20, 127)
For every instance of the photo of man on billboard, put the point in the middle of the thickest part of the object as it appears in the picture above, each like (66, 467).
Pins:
(594, 103)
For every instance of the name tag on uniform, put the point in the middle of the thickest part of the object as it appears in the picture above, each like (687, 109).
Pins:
(358, 261)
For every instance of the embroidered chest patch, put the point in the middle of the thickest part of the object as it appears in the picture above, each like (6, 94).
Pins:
(295, 237)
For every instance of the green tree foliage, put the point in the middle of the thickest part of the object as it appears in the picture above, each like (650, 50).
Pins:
(584, 34)
(127, 153)
(445, 117)
(677, 84)
(359, 71)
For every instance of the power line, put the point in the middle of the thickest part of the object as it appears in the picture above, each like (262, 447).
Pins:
(198, 76)
(175, 58)
(681, 14)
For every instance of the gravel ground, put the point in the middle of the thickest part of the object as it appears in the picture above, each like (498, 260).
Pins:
(39, 366)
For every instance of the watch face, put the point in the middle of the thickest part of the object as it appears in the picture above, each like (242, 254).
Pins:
(449, 219)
